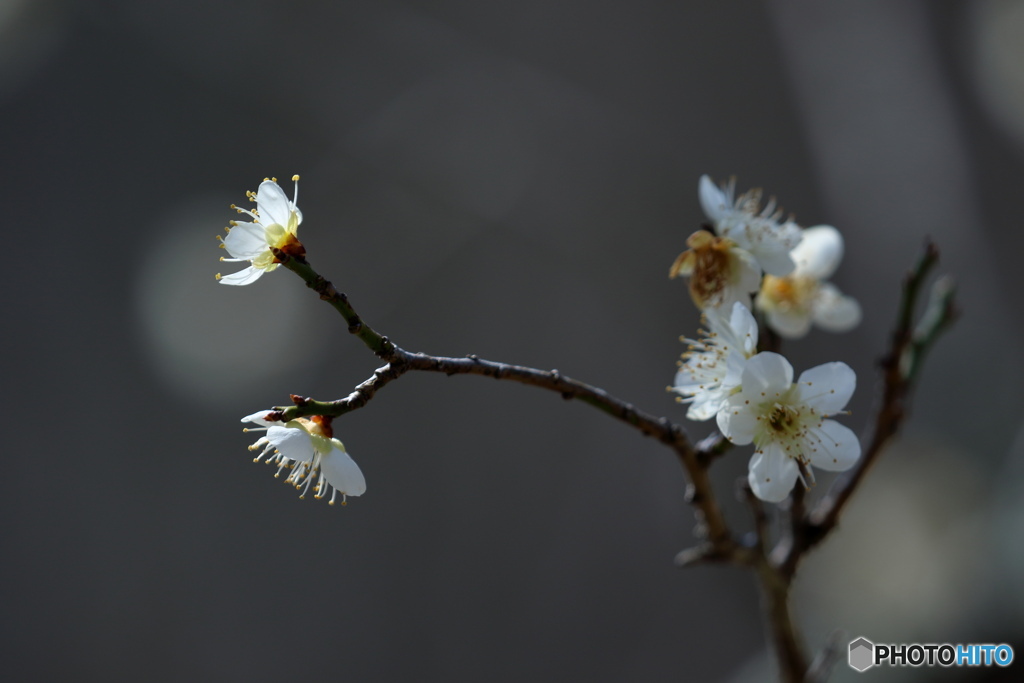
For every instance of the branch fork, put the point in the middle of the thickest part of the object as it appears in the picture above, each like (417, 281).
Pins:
(773, 560)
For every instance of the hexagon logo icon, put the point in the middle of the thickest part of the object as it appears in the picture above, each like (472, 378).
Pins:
(862, 654)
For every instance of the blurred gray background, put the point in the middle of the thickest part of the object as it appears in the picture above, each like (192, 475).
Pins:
(511, 179)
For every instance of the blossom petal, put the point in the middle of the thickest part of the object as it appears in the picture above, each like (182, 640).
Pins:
(687, 383)
(772, 474)
(819, 253)
(683, 264)
(258, 419)
(705, 406)
(342, 472)
(775, 259)
(827, 388)
(746, 272)
(246, 241)
(293, 442)
(737, 422)
(712, 199)
(242, 277)
(727, 297)
(744, 328)
(837, 449)
(834, 311)
(272, 204)
(765, 375)
(791, 324)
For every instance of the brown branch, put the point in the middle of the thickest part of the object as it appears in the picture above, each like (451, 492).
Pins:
(775, 608)
(900, 368)
(399, 361)
(776, 567)
(775, 586)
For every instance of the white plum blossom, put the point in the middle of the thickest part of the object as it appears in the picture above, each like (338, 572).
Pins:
(721, 274)
(307, 448)
(274, 225)
(787, 423)
(753, 229)
(713, 366)
(793, 302)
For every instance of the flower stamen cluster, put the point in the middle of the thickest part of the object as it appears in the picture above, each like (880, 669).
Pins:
(761, 232)
(711, 368)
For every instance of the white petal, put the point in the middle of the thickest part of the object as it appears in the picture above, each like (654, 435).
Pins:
(747, 272)
(729, 296)
(343, 473)
(712, 199)
(772, 474)
(258, 419)
(737, 421)
(790, 234)
(744, 327)
(272, 204)
(242, 277)
(705, 405)
(734, 366)
(819, 253)
(835, 312)
(836, 449)
(827, 388)
(774, 259)
(686, 384)
(791, 324)
(246, 241)
(766, 375)
(294, 443)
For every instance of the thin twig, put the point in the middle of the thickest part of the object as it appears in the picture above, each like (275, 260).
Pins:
(900, 366)
(775, 584)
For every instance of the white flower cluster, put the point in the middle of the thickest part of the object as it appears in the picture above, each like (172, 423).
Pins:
(752, 395)
(749, 249)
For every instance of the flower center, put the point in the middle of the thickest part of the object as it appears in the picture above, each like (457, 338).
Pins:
(284, 240)
(787, 293)
(712, 265)
(784, 420)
